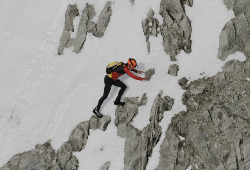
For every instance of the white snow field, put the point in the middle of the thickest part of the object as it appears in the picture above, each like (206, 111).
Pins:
(44, 96)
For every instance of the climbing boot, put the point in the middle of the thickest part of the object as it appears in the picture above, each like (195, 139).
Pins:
(97, 113)
(119, 103)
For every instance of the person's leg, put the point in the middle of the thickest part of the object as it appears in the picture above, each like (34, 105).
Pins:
(123, 87)
(108, 83)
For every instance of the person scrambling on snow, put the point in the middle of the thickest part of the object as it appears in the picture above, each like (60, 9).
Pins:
(115, 70)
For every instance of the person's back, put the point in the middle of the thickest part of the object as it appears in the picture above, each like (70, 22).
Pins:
(112, 79)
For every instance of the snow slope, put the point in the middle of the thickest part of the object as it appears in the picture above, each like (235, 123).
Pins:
(44, 96)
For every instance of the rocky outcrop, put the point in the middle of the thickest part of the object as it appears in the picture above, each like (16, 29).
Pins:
(44, 156)
(65, 159)
(149, 73)
(214, 132)
(239, 6)
(70, 14)
(151, 27)
(79, 135)
(140, 143)
(176, 28)
(183, 83)
(235, 36)
(85, 26)
(105, 166)
(173, 70)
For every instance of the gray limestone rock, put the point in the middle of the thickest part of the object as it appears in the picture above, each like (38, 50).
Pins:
(183, 83)
(105, 166)
(150, 27)
(236, 33)
(149, 73)
(235, 37)
(197, 89)
(215, 126)
(79, 135)
(176, 28)
(70, 14)
(170, 147)
(64, 155)
(85, 26)
(239, 6)
(139, 144)
(144, 100)
(100, 123)
(44, 156)
(87, 14)
(173, 69)
(227, 41)
(103, 20)
(41, 157)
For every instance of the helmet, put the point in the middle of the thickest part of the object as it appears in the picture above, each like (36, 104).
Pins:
(132, 62)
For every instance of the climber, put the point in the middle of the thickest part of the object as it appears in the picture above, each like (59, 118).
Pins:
(115, 70)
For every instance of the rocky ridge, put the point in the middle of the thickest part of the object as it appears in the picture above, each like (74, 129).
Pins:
(44, 157)
(85, 26)
(214, 131)
(140, 143)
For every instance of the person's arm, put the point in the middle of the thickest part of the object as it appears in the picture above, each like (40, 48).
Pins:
(134, 70)
(131, 74)
(139, 72)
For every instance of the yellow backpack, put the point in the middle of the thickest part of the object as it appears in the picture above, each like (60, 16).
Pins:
(110, 67)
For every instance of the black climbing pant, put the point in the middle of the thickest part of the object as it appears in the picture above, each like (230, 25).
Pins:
(108, 84)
